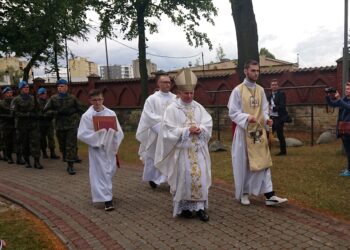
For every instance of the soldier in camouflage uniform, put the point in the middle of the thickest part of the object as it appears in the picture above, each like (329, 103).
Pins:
(67, 110)
(46, 127)
(25, 111)
(7, 126)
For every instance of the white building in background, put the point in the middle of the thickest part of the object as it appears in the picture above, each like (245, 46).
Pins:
(127, 71)
(151, 67)
(80, 68)
(116, 72)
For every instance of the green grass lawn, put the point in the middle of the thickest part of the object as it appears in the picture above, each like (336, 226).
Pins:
(22, 230)
(308, 175)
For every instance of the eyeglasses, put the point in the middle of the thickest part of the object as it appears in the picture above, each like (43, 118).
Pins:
(97, 100)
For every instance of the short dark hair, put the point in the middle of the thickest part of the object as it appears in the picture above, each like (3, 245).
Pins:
(274, 80)
(95, 92)
(159, 74)
(250, 62)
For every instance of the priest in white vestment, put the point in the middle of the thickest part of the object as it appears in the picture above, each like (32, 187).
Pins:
(149, 126)
(103, 147)
(251, 159)
(182, 150)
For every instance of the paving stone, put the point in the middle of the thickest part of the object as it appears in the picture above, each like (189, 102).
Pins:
(143, 216)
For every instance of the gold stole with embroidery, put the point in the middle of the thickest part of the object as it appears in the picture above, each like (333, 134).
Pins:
(196, 185)
(259, 156)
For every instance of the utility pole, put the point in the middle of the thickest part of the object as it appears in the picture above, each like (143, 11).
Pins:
(66, 47)
(345, 75)
(108, 76)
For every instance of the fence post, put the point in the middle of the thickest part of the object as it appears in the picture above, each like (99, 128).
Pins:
(312, 124)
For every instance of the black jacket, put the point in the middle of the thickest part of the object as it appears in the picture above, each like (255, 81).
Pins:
(280, 104)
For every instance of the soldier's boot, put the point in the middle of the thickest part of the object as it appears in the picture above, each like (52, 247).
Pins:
(45, 156)
(37, 163)
(70, 168)
(9, 159)
(27, 162)
(53, 154)
(19, 160)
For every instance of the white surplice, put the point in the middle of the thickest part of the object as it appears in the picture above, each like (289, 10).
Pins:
(185, 158)
(103, 147)
(147, 133)
(246, 181)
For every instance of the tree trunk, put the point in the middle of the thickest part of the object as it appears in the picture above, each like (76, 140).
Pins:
(55, 53)
(30, 64)
(246, 32)
(142, 52)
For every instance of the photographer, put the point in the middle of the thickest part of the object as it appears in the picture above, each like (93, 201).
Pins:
(334, 100)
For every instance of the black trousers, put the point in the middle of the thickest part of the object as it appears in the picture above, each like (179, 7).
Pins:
(277, 127)
(346, 143)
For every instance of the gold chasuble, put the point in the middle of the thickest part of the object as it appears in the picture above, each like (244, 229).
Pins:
(259, 156)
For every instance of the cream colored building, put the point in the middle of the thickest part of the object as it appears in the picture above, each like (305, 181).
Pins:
(151, 68)
(11, 69)
(229, 66)
(80, 68)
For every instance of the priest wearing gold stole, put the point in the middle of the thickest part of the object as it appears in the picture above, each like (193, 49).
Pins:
(251, 159)
(182, 150)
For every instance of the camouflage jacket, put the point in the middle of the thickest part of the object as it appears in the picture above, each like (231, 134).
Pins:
(24, 110)
(67, 110)
(6, 117)
(45, 119)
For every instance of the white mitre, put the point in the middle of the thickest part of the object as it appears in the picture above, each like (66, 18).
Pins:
(186, 80)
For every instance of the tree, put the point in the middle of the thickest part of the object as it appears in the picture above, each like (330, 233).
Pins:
(265, 52)
(134, 17)
(220, 54)
(246, 32)
(35, 29)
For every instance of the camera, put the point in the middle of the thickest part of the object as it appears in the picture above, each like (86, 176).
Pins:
(330, 90)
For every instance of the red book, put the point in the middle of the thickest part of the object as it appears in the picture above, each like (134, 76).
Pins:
(106, 122)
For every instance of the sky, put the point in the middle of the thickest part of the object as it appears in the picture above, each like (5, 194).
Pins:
(310, 31)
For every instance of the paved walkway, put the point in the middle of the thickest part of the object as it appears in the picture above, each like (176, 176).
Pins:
(143, 217)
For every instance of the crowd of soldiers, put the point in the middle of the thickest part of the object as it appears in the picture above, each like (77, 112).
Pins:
(28, 124)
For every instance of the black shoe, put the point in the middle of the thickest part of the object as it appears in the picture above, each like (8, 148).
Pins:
(109, 205)
(187, 214)
(70, 170)
(152, 184)
(202, 215)
(281, 153)
(37, 164)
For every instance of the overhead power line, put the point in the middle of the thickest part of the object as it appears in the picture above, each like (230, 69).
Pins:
(151, 54)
